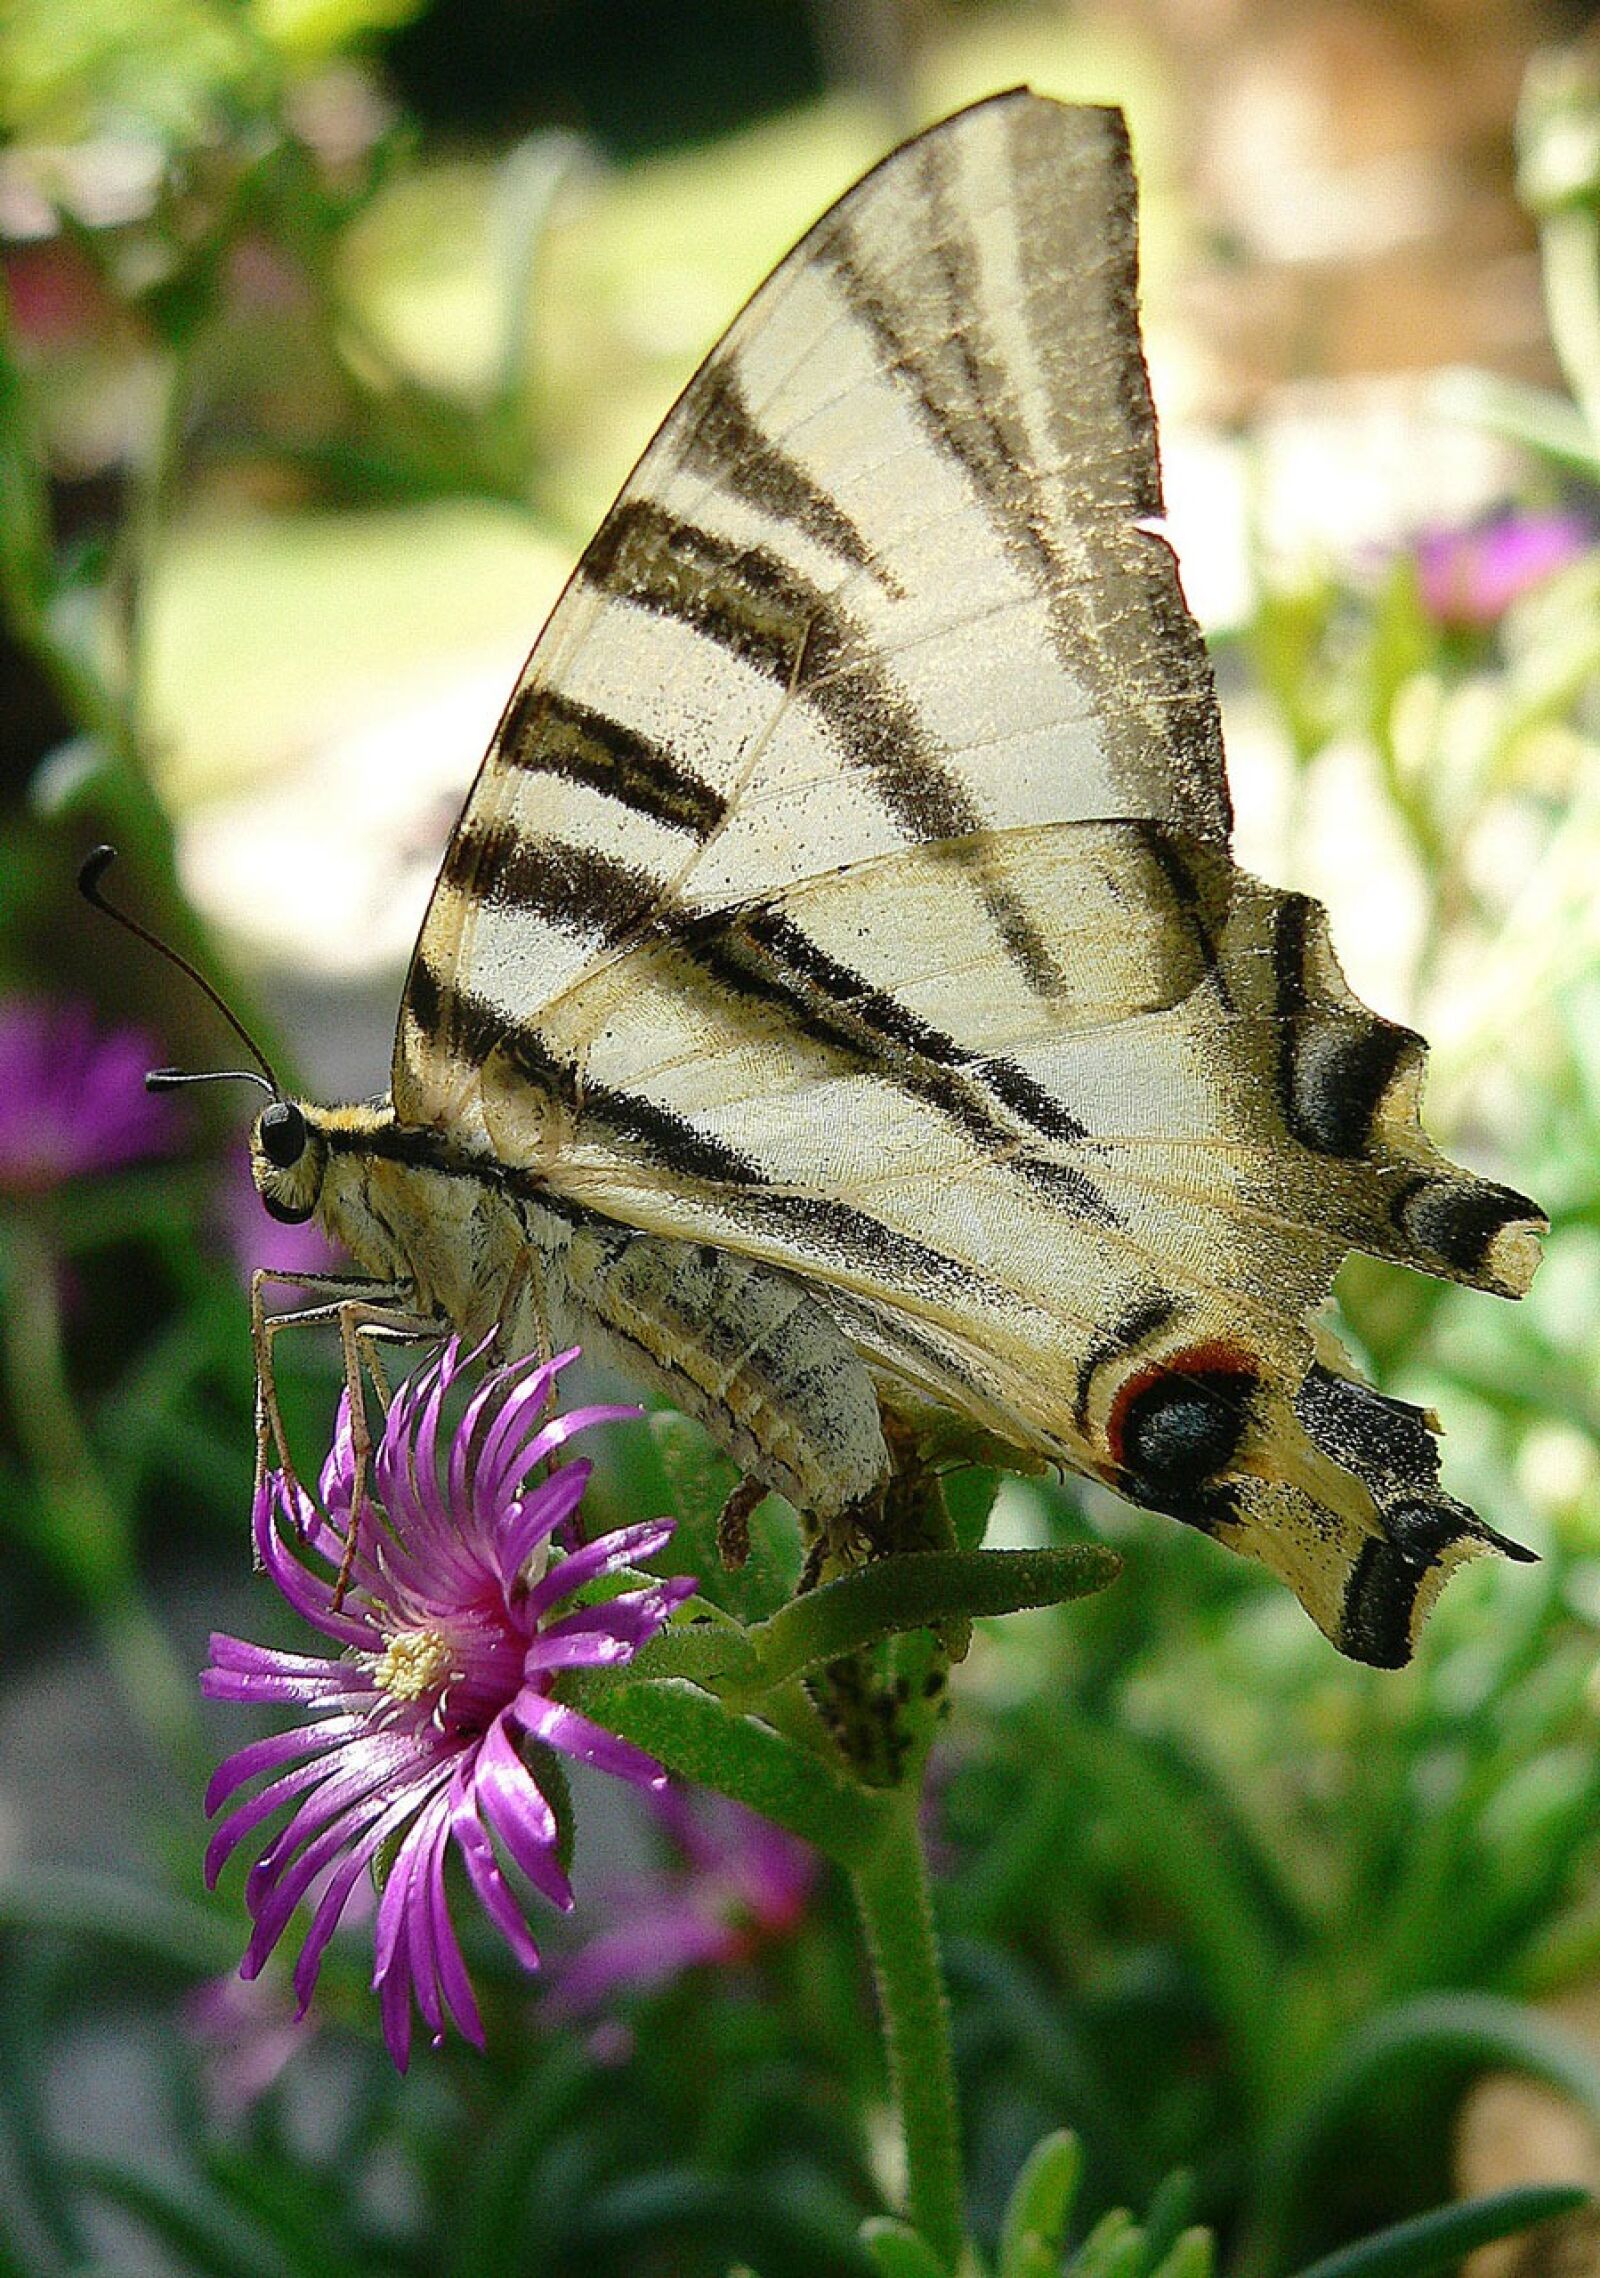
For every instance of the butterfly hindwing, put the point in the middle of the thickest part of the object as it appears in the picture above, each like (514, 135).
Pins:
(847, 889)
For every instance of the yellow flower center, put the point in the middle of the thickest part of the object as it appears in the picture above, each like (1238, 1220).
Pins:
(413, 1664)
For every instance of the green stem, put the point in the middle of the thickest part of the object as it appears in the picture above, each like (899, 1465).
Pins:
(85, 1534)
(891, 1891)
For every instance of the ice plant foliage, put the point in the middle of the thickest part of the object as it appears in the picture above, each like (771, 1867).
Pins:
(72, 1099)
(454, 1627)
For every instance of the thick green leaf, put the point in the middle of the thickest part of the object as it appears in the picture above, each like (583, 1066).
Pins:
(1193, 2255)
(1459, 2032)
(897, 2251)
(1040, 2206)
(917, 1591)
(1436, 2240)
(702, 1739)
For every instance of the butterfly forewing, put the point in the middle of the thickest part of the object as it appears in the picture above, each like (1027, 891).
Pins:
(847, 887)
(879, 581)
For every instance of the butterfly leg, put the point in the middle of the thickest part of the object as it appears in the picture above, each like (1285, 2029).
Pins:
(271, 1438)
(361, 1309)
(522, 1307)
(360, 1318)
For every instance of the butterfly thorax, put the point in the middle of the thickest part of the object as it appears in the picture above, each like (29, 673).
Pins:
(463, 1240)
(414, 1212)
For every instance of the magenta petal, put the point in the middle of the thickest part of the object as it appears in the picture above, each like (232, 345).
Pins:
(539, 1514)
(266, 1755)
(310, 1595)
(510, 1446)
(490, 1886)
(338, 1480)
(420, 1907)
(336, 1896)
(248, 1816)
(394, 2008)
(556, 1433)
(275, 1908)
(628, 1546)
(453, 1988)
(592, 1648)
(466, 1450)
(388, 1941)
(509, 1797)
(561, 1727)
(366, 1768)
(633, 1619)
(458, 1994)
(328, 1913)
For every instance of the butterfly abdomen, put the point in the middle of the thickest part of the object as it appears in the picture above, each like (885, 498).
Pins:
(734, 1343)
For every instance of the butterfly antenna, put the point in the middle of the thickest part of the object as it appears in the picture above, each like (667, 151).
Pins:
(95, 866)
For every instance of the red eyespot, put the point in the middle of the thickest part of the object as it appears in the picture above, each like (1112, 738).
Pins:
(1175, 1424)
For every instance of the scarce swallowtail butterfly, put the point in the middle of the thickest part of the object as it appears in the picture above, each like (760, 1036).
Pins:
(838, 1002)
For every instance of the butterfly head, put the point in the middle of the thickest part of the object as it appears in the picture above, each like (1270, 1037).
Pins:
(288, 1158)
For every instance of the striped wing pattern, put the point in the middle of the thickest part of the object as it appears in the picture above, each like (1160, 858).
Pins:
(848, 887)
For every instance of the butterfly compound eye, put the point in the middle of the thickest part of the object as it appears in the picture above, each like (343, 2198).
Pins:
(283, 1134)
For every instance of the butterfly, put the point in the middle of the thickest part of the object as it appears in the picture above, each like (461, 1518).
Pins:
(838, 1004)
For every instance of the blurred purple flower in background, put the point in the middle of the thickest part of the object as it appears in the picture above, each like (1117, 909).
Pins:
(740, 1884)
(246, 2033)
(1470, 578)
(72, 1099)
(451, 1645)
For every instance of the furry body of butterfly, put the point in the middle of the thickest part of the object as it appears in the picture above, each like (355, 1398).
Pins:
(838, 994)
(458, 1243)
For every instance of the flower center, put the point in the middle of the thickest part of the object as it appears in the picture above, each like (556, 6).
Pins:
(413, 1663)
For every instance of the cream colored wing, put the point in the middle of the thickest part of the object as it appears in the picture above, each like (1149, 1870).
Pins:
(879, 582)
(848, 887)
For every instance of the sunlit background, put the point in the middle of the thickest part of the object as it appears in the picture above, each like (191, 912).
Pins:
(333, 327)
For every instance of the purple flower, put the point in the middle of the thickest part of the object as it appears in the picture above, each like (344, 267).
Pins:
(740, 1884)
(451, 1647)
(246, 2034)
(1470, 578)
(72, 1100)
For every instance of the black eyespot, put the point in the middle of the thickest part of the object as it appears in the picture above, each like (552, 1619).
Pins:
(283, 1138)
(286, 1213)
(1176, 1431)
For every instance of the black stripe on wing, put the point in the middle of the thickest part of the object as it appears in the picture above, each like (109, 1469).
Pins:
(724, 443)
(1335, 1066)
(471, 1029)
(547, 733)
(763, 958)
(831, 1232)
(764, 964)
(576, 889)
(1117, 622)
(778, 623)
